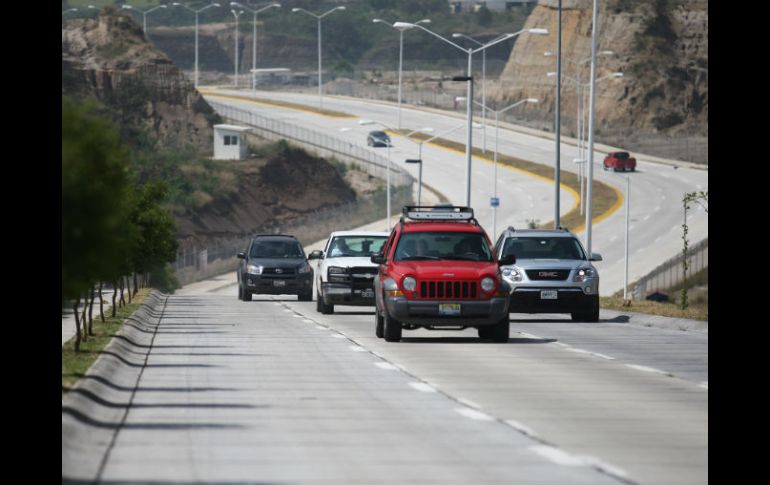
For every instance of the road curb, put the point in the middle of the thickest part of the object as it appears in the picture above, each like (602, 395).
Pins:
(94, 409)
(647, 320)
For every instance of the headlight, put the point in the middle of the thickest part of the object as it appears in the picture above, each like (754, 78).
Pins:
(410, 283)
(337, 270)
(584, 273)
(254, 269)
(513, 274)
(337, 274)
(487, 284)
(305, 268)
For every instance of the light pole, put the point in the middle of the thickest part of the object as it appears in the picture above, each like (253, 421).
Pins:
(144, 14)
(319, 17)
(236, 15)
(254, 36)
(196, 12)
(401, 30)
(625, 271)
(591, 115)
(497, 126)
(469, 79)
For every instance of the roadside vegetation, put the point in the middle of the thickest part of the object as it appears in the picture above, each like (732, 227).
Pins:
(115, 229)
(697, 302)
(283, 104)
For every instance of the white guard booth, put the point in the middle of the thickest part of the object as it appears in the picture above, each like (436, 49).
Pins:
(229, 142)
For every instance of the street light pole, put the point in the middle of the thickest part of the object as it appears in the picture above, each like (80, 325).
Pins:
(625, 272)
(400, 57)
(236, 15)
(319, 17)
(469, 79)
(591, 117)
(254, 37)
(196, 12)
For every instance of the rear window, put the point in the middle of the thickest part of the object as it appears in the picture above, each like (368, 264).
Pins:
(462, 246)
(356, 246)
(622, 155)
(543, 248)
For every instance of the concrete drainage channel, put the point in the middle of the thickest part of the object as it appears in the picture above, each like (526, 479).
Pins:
(95, 409)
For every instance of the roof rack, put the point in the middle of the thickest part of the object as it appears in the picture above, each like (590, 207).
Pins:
(440, 212)
(280, 235)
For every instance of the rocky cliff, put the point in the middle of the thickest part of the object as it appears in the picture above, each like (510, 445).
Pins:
(109, 58)
(661, 46)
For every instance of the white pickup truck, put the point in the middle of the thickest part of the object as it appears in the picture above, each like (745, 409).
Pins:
(345, 272)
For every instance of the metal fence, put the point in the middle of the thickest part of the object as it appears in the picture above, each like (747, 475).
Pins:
(670, 273)
(321, 143)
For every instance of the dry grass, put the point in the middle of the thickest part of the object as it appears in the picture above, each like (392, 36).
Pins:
(696, 311)
(282, 104)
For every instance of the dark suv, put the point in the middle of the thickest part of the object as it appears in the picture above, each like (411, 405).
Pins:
(275, 264)
(378, 139)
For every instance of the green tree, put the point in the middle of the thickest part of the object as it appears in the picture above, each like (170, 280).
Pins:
(95, 187)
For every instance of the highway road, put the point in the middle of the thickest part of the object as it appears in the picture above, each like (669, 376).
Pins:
(270, 391)
(657, 189)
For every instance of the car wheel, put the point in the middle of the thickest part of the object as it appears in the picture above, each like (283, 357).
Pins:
(323, 307)
(498, 332)
(591, 315)
(246, 295)
(240, 292)
(391, 328)
(379, 323)
(306, 296)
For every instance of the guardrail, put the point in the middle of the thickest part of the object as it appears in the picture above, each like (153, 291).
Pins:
(670, 273)
(317, 141)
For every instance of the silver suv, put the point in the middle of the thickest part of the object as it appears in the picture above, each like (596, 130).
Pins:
(552, 273)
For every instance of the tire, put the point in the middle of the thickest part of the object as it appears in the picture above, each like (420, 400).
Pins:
(240, 292)
(498, 332)
(391, 328)
(591, 316)
(306, 296)
(321, 307)
(246, 295)
(379, 324)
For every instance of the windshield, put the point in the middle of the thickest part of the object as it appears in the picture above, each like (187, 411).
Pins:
(276, 249)
(356, 246)
(543, 248)
(621, 155)
(462, 246)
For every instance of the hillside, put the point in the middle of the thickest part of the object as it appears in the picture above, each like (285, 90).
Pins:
(660, 46)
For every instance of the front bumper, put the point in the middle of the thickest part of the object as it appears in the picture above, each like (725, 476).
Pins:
(271, 285)
(568, 300)
(426, 312)
(342, 294)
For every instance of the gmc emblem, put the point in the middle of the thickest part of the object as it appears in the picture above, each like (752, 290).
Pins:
(278, 270)
(548, 274)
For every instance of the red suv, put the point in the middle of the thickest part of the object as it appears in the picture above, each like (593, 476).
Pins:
(618, 161)
(437, 271)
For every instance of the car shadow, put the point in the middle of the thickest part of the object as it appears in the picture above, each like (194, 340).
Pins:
(473, 340)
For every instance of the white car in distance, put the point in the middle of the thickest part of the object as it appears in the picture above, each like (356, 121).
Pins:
(344, 272)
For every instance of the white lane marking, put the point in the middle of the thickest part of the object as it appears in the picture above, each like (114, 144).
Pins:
(704, 384)
(560, 457)
(605, 467)
(336, 335)
(529, 335)
(308, 321)
(422, 387)
(320, 327)
(613, 238)
(644, 368)
(561, 344)
(473, 414)
(297, 316)
(657, 209)
(520, 427)
(288, 310)
(646, 217)
(357, 348)
(469, 403)
(386, 366)
(596, 354)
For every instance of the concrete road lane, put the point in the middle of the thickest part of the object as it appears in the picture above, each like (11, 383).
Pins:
(285, 400)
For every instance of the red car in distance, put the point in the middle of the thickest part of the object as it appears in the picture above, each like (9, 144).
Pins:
(620, 161)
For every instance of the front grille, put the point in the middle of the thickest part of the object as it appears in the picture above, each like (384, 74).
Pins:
(362, 277)
(274, 271)
(547, 274)
(449, 290)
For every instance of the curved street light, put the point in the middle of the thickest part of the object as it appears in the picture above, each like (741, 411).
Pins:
(319, 17)
(196, 12)
(400, 56)
(254, 36)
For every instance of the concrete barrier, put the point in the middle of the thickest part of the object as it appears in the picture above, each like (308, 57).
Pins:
(94, 410)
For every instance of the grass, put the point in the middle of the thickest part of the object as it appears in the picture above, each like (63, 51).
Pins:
(282, 104)
(695, 311)
(75, 364)
(606, 199)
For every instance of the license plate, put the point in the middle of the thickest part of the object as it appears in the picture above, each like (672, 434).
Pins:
(449, 309)
(279, 283)
(367, 294)
(549, 295)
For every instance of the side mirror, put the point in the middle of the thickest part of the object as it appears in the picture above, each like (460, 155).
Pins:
(507, 260)
(378, 259)
(241, 255)
(317, 254)
(596, 257)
